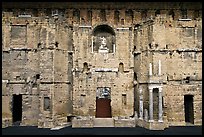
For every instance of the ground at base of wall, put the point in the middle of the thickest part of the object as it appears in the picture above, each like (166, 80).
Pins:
(29, 130)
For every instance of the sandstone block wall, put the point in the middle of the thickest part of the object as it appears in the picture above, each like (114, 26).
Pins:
(51, 56)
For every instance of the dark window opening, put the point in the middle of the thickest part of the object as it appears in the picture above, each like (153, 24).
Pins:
(103, 15)
(150, 45)
(82, 21)
(116, 17)
(69, 118)
(187, 79)
(156, 45)
(122, 21)
(171, 13)
(48, 12)
(135, 76)
(144, 14)
(129, 15)
(124, 99)
(134, 48)
(76, 15)
(121, 67)
(85, 66)
(184, 14)
(196, 14)
(56, 44)
(35, 12)
(37, 76)
(157, 12)
(89, 16)
(34, 85)
(17, 109)
(39, 45)
(18, 78)
(82, 100)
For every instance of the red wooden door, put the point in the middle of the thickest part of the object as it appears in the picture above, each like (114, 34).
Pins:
(103, 108)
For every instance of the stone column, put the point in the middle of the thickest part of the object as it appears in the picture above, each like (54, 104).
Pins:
(141, 104)
(146, 115)
(150, 69)
(151, 105)
(159, 67)
(160, 106)
(92, 45)
(113, 48)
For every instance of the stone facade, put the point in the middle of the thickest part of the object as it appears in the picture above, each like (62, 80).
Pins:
(144, 61)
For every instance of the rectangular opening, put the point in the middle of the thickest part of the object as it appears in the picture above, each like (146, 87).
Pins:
(124, 99)
(103, 102)
(188, 106)
(82, 100)
(17, 109)
(69, 118)
(155, 103)
(46, 103)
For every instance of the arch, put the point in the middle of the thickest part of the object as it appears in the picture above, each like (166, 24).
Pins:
(85, 66)
(103, 28)
(121, 67)
(103, 39)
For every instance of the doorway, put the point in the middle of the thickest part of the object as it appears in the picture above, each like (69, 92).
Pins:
(188, 106)
(17, 109)
(103, 103)
(155, 103)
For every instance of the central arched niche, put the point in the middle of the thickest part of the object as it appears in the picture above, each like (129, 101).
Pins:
(103, 39)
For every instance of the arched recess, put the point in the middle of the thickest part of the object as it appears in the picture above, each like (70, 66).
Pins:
(121, 67)
(85, 68)
(103, 39)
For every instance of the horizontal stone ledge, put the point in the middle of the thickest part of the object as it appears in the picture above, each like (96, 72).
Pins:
(105, 70)
(152, 82)
(25, 16)
(55, 82)
(42, 82)
(20, 49)
(123, 28)
(184, 19)
(83, 26)
(16, 82)
(189, 50)
(170, 50)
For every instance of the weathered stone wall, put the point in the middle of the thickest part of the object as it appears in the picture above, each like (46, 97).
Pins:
(48, 54)
(177, 47)
(35, 64)
(86, 83)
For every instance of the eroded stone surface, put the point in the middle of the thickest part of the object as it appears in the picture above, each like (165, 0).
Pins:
(144, 61)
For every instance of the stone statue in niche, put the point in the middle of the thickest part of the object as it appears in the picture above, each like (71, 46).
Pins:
(103, 47)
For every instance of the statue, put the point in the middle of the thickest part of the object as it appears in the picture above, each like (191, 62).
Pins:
(103, 47)
(103, 43)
